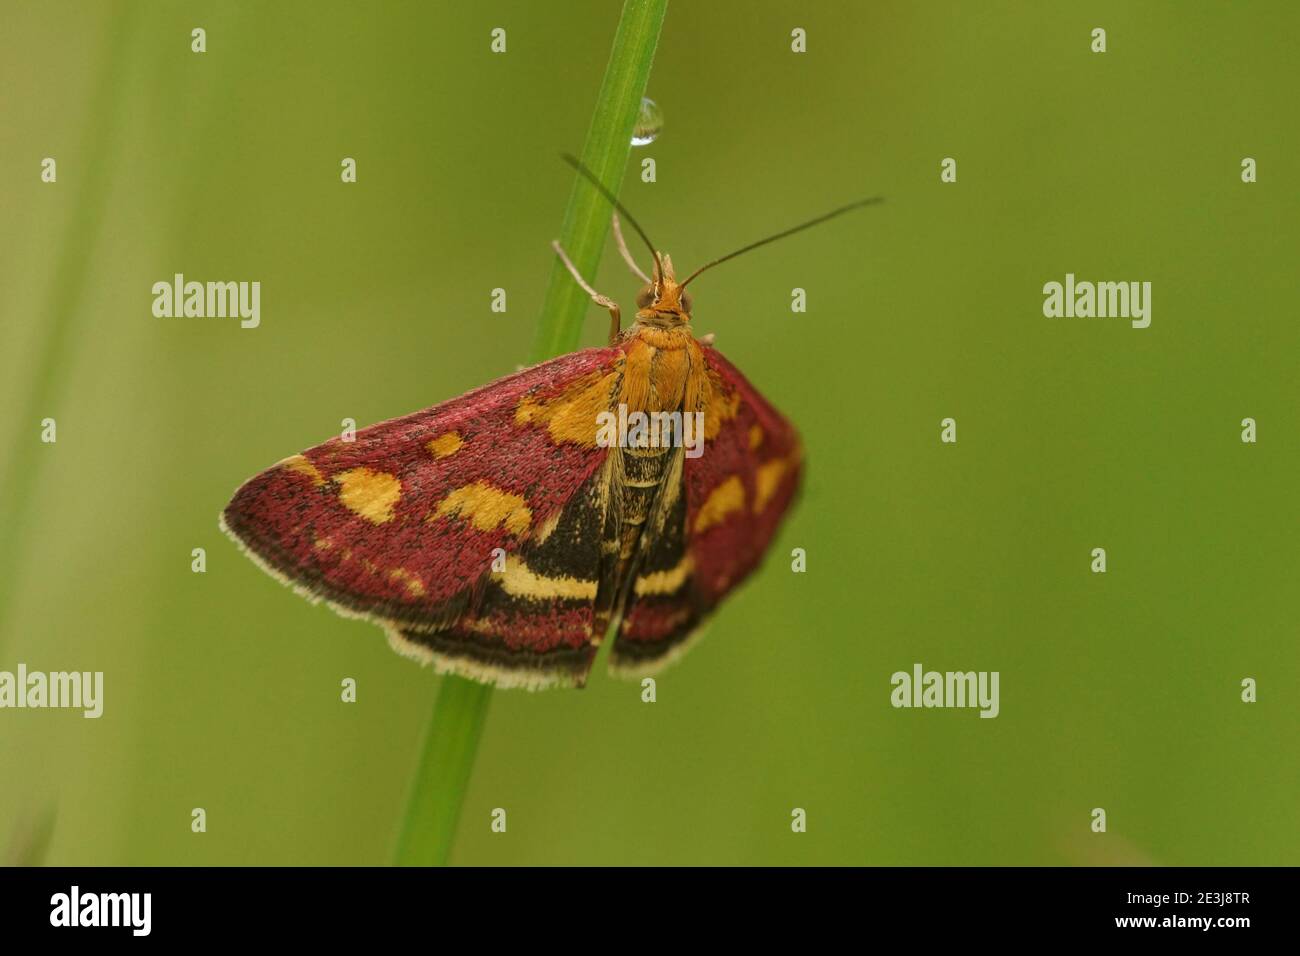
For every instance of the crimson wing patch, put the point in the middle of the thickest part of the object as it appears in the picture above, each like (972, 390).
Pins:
(715, 532)
(470, 531)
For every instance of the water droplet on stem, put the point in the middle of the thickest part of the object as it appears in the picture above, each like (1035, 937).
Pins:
(649, 123)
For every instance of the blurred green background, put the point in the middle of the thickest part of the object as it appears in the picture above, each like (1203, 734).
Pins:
(1118, 691)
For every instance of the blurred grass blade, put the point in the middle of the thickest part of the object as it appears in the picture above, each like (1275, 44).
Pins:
(19, 475)
(451, 740)
(29, 841)
(446, 760)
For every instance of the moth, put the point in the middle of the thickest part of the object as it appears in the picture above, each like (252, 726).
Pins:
(501, 536)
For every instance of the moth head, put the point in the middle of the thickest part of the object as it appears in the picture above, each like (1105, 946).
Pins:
(663, 301)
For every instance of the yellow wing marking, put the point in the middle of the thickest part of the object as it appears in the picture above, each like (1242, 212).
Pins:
(665, 582)
(369, 493)
(445, 444)
(522, 581)
(571, 415)
(727, 498)
(486, 507)
(302, 466)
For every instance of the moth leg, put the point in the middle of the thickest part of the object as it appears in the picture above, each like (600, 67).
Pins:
(707, 339)
(604, 301)
(623, 251)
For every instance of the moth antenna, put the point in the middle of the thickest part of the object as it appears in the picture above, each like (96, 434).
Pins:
(874, 200)
(591, 177)
(623, 251)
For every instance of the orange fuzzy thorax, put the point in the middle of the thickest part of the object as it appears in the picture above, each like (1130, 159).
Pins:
(664, 371)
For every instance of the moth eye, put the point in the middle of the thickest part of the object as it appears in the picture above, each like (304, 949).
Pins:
(645, 298)
(686, 301)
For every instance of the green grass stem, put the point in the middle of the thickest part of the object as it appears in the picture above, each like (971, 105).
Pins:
(452, 736)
